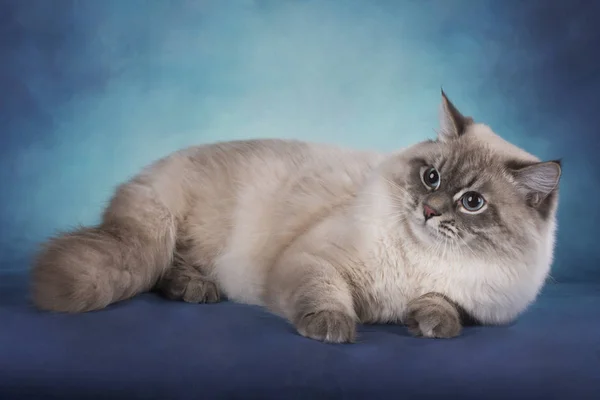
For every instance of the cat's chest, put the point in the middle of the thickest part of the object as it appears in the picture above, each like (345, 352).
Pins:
(387, 282)
(395, 274)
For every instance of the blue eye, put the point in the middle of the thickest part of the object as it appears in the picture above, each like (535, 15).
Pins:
(431, 178)
(472, 201)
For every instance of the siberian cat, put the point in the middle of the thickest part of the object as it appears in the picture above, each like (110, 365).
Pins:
(446, 231)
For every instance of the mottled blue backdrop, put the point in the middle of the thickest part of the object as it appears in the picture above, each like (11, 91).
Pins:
(91, 91)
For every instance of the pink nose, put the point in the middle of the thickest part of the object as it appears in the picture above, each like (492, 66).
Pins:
(429, 212)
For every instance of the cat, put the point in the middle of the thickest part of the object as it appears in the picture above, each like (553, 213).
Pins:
(454, 230)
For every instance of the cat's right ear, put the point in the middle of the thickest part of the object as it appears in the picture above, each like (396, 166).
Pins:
(537, 181)
(452, 123)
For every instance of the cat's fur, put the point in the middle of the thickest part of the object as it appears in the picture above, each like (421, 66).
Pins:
(323, 236)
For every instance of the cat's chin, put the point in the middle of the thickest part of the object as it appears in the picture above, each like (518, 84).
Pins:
(427, 233)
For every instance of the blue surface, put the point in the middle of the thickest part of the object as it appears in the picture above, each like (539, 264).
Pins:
(157, 349)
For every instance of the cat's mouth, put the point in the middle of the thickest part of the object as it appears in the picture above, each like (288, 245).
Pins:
(447, 229)
(436, 229)
(439, 232)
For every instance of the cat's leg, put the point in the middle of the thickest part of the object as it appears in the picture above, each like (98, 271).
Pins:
(185, 282)
(314, 296)
(433, 315)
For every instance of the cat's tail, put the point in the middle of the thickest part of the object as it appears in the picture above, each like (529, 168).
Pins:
(92, 267)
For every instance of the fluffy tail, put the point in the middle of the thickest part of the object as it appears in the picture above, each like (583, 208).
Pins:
(126, 254)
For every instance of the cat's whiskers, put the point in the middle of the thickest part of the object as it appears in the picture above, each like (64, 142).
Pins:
(445, 247)
(437, 247)
(399, 210)
(395, 185)
(465, 244)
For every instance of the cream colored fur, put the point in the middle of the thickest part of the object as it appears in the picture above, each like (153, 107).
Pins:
(297, 227)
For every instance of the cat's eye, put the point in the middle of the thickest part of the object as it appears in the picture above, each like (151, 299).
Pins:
(430, 177)
(472, 201)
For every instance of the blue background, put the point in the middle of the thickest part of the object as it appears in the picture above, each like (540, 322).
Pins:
(91, 91)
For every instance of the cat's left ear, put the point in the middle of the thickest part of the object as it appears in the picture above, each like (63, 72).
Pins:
(538, 181)
(453, 123)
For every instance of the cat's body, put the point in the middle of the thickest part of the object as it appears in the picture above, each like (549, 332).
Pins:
(324, 236)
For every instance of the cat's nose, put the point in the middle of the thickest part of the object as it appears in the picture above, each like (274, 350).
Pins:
(429, 212)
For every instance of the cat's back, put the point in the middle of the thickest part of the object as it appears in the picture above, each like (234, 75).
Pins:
(264, 165)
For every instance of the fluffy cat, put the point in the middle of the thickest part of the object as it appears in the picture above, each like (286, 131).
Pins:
(447, 231)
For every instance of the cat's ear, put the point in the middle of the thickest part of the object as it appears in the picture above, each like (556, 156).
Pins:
(537, 181)
(452, 123)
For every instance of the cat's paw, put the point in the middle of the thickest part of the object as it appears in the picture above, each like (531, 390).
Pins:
(189, 286)
(433, 317)
(328, 326)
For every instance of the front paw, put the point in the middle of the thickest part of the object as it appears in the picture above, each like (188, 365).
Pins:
(433, 316)
(328, 326)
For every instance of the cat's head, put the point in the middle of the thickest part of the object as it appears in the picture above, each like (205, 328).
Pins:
(471, 192)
